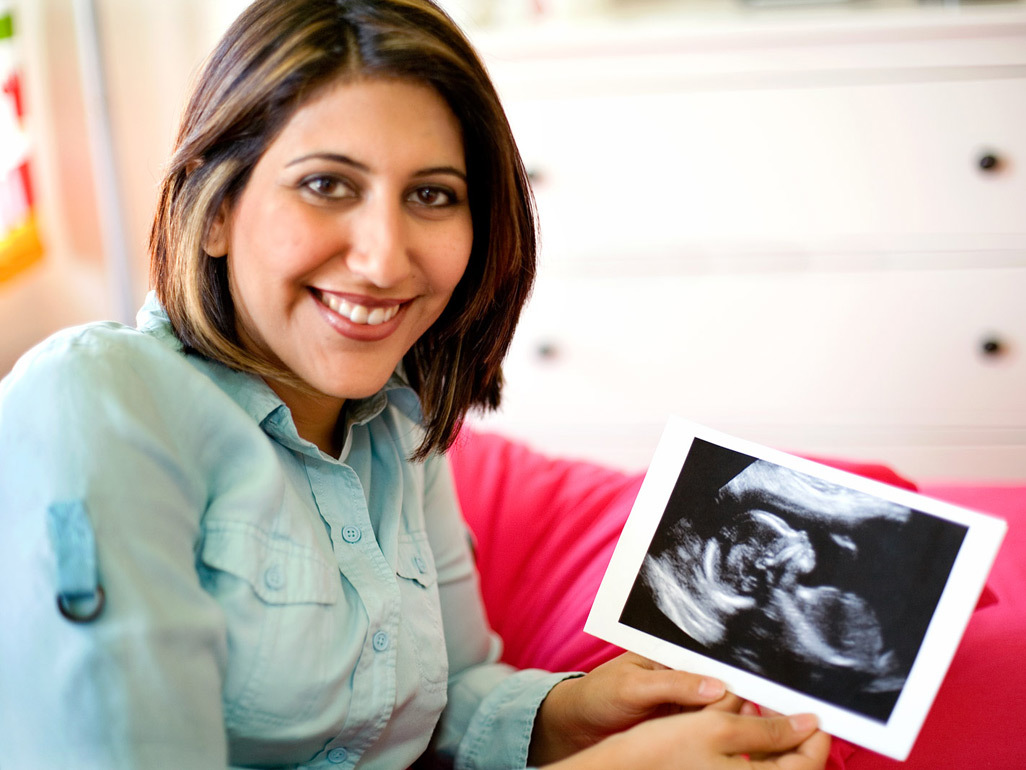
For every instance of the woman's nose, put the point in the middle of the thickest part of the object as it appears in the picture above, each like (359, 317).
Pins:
(378, 251)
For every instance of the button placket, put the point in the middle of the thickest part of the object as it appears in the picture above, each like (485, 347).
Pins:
(339, 495)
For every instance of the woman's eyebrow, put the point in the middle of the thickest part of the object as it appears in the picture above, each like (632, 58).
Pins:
(452, 170)
(335, 157)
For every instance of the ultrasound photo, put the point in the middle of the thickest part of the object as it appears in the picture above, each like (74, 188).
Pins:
(818, 587)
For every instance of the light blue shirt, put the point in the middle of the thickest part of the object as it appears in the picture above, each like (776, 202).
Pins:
(266, 604)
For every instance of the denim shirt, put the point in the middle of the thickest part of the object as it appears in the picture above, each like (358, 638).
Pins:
(265, 604)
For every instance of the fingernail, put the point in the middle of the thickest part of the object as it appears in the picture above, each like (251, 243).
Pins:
(711, 688)
(803, 722)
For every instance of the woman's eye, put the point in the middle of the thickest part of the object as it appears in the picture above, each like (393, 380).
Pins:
(433, 197)
(328, 187)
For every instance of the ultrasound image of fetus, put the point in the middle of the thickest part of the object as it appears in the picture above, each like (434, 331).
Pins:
(754, 565)
(793, 578)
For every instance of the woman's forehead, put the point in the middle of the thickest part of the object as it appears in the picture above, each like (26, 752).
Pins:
(389, 116)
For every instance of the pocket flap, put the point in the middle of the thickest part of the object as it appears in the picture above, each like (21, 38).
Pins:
(415, 562)
(279, 570)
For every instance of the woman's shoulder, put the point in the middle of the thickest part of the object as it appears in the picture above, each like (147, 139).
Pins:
(129, 395)
(93, 347)
(108, 369)
(104, 354)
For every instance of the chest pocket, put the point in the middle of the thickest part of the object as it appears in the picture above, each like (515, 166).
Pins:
(278, 570)
(281, 602)
(421, 610)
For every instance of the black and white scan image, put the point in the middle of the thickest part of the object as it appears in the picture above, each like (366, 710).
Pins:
(816, 586)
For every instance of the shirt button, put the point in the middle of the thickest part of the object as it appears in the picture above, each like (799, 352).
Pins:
(338, 756)
(420, 564)
(351, 534)
(274, 578)
(380, 641)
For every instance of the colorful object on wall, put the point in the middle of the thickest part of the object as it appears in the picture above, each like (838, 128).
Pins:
(19, 237)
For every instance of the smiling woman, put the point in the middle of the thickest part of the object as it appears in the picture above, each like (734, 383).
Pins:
(230, 534)
(347, 242)
(279, 62)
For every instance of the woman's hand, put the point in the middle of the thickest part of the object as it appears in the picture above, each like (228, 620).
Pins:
(616, 696)
(633, 712)
(710, 740)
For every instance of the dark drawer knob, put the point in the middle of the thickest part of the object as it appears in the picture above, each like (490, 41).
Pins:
(992, 346)
(990, 162)
(546, 351)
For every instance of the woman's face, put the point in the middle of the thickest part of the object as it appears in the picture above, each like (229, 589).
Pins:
(349, 237)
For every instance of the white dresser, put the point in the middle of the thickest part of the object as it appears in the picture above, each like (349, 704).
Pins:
(806, 229)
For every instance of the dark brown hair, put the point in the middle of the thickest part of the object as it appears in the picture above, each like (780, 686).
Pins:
(275, 57)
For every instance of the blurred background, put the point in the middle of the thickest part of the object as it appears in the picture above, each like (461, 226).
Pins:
(799, 222)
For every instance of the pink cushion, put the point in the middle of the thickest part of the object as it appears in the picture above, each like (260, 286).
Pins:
(546, 527)
(544, 530)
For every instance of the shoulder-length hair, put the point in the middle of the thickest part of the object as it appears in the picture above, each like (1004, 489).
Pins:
(275, 57)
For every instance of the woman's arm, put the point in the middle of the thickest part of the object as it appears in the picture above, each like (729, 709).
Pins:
(491, 706)
(94, 422)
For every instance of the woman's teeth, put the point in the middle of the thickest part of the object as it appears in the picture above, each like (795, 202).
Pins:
(359, 314)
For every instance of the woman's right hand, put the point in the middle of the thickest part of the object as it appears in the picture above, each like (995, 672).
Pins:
(711, 739)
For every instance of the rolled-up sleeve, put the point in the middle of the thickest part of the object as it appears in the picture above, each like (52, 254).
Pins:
(491, 709)
(90, 433)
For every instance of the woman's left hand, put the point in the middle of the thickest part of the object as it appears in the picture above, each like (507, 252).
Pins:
(617, 695)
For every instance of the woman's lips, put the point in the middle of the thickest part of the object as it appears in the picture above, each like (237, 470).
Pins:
(358, 313)
(368, 320)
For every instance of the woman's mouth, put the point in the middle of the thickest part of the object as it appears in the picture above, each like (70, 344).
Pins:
(357, 313)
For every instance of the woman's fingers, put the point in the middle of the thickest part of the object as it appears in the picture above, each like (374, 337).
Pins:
(750, 709)
(810, 753)
(731, 704)
(680, 688)
(639, 702)
(762, 735)
(646, 685)
(709, 740)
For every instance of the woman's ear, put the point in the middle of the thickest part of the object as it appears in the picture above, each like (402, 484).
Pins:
(217, 241)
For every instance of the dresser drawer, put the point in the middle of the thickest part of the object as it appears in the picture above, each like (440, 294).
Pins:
(802, 360)
(810, 235)
(811, 169)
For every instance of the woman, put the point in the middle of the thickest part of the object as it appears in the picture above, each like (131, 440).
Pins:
(243, 507)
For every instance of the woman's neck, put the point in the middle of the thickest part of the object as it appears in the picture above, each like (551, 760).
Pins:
(316, 416)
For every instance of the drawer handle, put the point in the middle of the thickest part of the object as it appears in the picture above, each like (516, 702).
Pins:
(990, 162)
(546, 351)
(993, 347)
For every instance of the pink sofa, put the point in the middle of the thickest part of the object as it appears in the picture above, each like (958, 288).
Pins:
(546, 527)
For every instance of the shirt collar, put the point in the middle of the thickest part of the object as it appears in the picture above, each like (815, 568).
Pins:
(255, 396)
